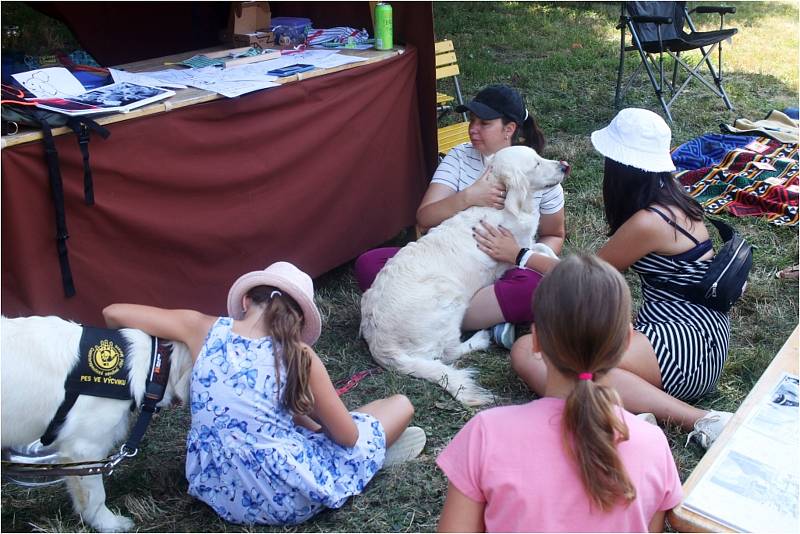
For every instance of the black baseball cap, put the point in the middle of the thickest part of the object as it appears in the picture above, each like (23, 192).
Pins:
(495, 101)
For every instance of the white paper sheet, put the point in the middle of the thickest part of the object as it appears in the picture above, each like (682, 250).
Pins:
(142, 79)
(235, 81)
(51, 82)
(338, 60)
(231, 82)
(754, 484)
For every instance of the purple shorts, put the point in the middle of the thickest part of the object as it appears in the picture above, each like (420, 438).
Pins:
(514, 290)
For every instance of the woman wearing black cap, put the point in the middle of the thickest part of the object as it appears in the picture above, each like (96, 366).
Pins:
(498, 119)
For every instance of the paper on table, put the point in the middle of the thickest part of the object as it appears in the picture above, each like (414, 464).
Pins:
(175, 76)
(251, 77)
(231, 82)
(142, 79)
(50, 82)
(754, 483)
(338, 60)
(117, 97)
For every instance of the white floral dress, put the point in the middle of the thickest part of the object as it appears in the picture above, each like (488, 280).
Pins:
(245, 456)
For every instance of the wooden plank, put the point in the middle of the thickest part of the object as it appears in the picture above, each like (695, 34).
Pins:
(442, 98)
(446, 72)
(445, 59)
(452, 135)
(443, 46)
(685, 520)
(191, 95)
(246, 60)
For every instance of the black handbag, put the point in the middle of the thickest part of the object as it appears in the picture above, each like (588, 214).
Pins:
(726, 278)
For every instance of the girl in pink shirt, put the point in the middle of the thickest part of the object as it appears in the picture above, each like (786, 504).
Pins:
(574, 460)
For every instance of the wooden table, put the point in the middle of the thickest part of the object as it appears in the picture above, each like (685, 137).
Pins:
(195, 190)
(786, 360)
(191, 95)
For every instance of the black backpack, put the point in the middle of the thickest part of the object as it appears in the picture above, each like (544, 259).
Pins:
(726, 278)
(15, 115)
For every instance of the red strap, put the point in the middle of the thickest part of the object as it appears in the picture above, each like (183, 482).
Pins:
(353, 381)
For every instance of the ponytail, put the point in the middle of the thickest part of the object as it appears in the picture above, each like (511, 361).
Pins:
(591, 433)
(582, 313)
(283, 319)
(528, 134)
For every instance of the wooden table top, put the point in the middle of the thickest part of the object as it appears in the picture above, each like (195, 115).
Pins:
(191, 95)
(786, 360)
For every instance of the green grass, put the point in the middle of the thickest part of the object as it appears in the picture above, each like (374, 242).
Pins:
(563, 57)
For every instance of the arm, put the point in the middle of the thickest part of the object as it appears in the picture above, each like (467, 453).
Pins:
(307, 422)
(640, 235)
(657, 523)
(187, 326)
(552, 230)
(442, 202)
(460, 513)
(501, 246)
(329, 410)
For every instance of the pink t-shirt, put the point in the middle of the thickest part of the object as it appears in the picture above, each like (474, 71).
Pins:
(512, 458)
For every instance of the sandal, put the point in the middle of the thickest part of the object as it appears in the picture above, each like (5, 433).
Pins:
(789, 273)
(407, 447)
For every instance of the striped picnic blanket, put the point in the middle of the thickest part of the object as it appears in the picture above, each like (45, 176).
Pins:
(758, 179)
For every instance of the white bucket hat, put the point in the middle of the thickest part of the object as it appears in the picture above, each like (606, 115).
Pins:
(638, 138)
(288, 279)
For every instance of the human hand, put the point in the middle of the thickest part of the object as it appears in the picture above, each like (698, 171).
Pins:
(485, 193)
(498, 242)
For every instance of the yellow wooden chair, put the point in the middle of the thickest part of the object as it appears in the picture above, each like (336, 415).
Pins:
(447, 67)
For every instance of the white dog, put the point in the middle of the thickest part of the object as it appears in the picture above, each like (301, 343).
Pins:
(37, 355)
(411, 316)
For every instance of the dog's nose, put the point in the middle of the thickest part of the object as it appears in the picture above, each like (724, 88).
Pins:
(565, 167)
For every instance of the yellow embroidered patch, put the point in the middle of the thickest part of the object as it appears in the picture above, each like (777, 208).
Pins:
(106, 358)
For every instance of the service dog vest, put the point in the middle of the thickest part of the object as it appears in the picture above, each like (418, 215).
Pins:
(102, 371)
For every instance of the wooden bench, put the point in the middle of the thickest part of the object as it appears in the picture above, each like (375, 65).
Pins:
(447, 67)
(450, 136)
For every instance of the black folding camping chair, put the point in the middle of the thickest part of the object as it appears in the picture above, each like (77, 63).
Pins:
(658, 28)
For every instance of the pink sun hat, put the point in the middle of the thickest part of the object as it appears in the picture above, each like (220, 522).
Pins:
(291, 281)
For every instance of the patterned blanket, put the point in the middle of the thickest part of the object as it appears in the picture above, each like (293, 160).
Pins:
(758, 179)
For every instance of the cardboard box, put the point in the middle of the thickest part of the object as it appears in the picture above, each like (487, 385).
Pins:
(262, 38)
(248, 17)
(249, 24)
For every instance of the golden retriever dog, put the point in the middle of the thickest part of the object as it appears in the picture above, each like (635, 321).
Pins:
(37, 354)
(411, 315)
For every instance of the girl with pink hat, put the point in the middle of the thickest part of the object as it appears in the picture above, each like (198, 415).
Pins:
(270, 440)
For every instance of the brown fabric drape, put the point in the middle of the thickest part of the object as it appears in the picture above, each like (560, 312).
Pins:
(122, 32)
(313, 172)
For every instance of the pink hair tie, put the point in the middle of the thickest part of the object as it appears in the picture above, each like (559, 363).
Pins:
(585, 376)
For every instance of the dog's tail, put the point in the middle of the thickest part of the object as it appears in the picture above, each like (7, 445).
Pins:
(460, 383)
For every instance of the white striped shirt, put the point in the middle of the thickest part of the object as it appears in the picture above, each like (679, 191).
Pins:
(464, 164)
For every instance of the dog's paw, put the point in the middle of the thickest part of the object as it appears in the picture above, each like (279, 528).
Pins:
(474, 395)
(479, 341)
(541, 248)
(106, 521)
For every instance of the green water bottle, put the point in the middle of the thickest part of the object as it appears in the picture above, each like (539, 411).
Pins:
(383, 26)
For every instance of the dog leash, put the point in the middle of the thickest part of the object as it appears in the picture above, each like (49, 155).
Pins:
(160, 355)
(343, 386)
(17, 472)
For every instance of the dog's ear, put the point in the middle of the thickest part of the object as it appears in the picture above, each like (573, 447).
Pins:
(517, 191)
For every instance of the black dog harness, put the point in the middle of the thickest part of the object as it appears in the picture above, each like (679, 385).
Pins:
(102, 371)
